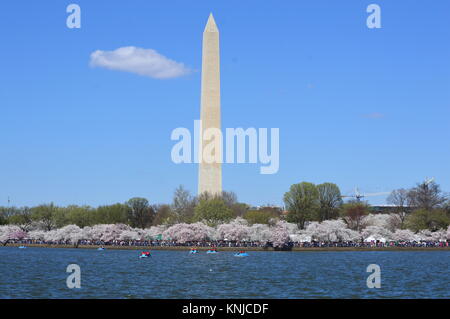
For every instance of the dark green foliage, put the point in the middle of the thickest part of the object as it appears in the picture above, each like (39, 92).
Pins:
(302, 203)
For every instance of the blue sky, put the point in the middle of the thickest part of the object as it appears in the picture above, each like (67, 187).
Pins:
(355, 106)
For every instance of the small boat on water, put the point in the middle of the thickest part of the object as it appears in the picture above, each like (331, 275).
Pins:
(144, 254)
(212, 251)
(193, 251)
(22, 247)
(100, 248)
(241, 254)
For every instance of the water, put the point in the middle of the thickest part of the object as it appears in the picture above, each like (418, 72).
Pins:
(41, 273)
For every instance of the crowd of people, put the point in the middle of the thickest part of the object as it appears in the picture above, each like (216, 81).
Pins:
(237, 244)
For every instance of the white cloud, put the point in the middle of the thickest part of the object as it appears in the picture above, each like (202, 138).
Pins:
(146, 62)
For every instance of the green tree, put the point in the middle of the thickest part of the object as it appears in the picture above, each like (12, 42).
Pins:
(3, 219)
(239, 209)
(183, 205)
(23, 219)
(140, 213)
(79, 215)
(446, 207)
(353, 213)
(302, 203)
(330, 200)
(164, 215)
(213, 211)
(439, 219)
(7, 212)
(60, 217)
(230, 199)
(423, 219)
(260, 216)
(111, 214)
(45, 214)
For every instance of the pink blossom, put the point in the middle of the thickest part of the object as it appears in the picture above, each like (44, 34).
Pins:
(235, 230)
(280, 234)
(187, 232)
(11, 232)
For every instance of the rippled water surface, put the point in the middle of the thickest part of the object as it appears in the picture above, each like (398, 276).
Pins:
(41, 273)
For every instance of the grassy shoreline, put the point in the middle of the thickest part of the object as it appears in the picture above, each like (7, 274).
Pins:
(294, 249)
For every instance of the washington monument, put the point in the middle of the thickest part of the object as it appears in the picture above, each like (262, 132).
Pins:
(210, 173)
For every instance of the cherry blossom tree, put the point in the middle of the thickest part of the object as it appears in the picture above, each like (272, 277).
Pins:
(186, 232)
(36, 235)
(280, 234)
(404, 235)
(388, 221)
(380, 220)
(374, 227)
(11, 232)
(301, 237)
(153, 232)
(236, 230)
(129, 235)
(331, 230)
(427, 235)
(105, 232)
(259, 232)
(69, 233)
(376, 233)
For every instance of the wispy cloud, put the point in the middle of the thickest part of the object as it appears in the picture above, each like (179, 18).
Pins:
(146, 62)
(374, 115)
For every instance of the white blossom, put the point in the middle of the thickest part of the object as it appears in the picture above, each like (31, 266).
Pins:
(404, 235)
(187, 232)
(330, 230)
(371, 233)
(427, 235)
(235, 230)
(259, 232)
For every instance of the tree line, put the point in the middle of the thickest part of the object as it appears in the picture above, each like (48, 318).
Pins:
(136, 212)
(424, 206)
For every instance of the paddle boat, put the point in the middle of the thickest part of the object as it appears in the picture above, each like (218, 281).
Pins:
(212, 251)
(22, 247)
(145, 254)
(241, 254)
(193, 251)
(100, 248)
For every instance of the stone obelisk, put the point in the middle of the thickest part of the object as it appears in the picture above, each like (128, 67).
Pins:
(210, 174)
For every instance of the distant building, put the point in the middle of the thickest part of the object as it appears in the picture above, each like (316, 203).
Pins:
(385, 209)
